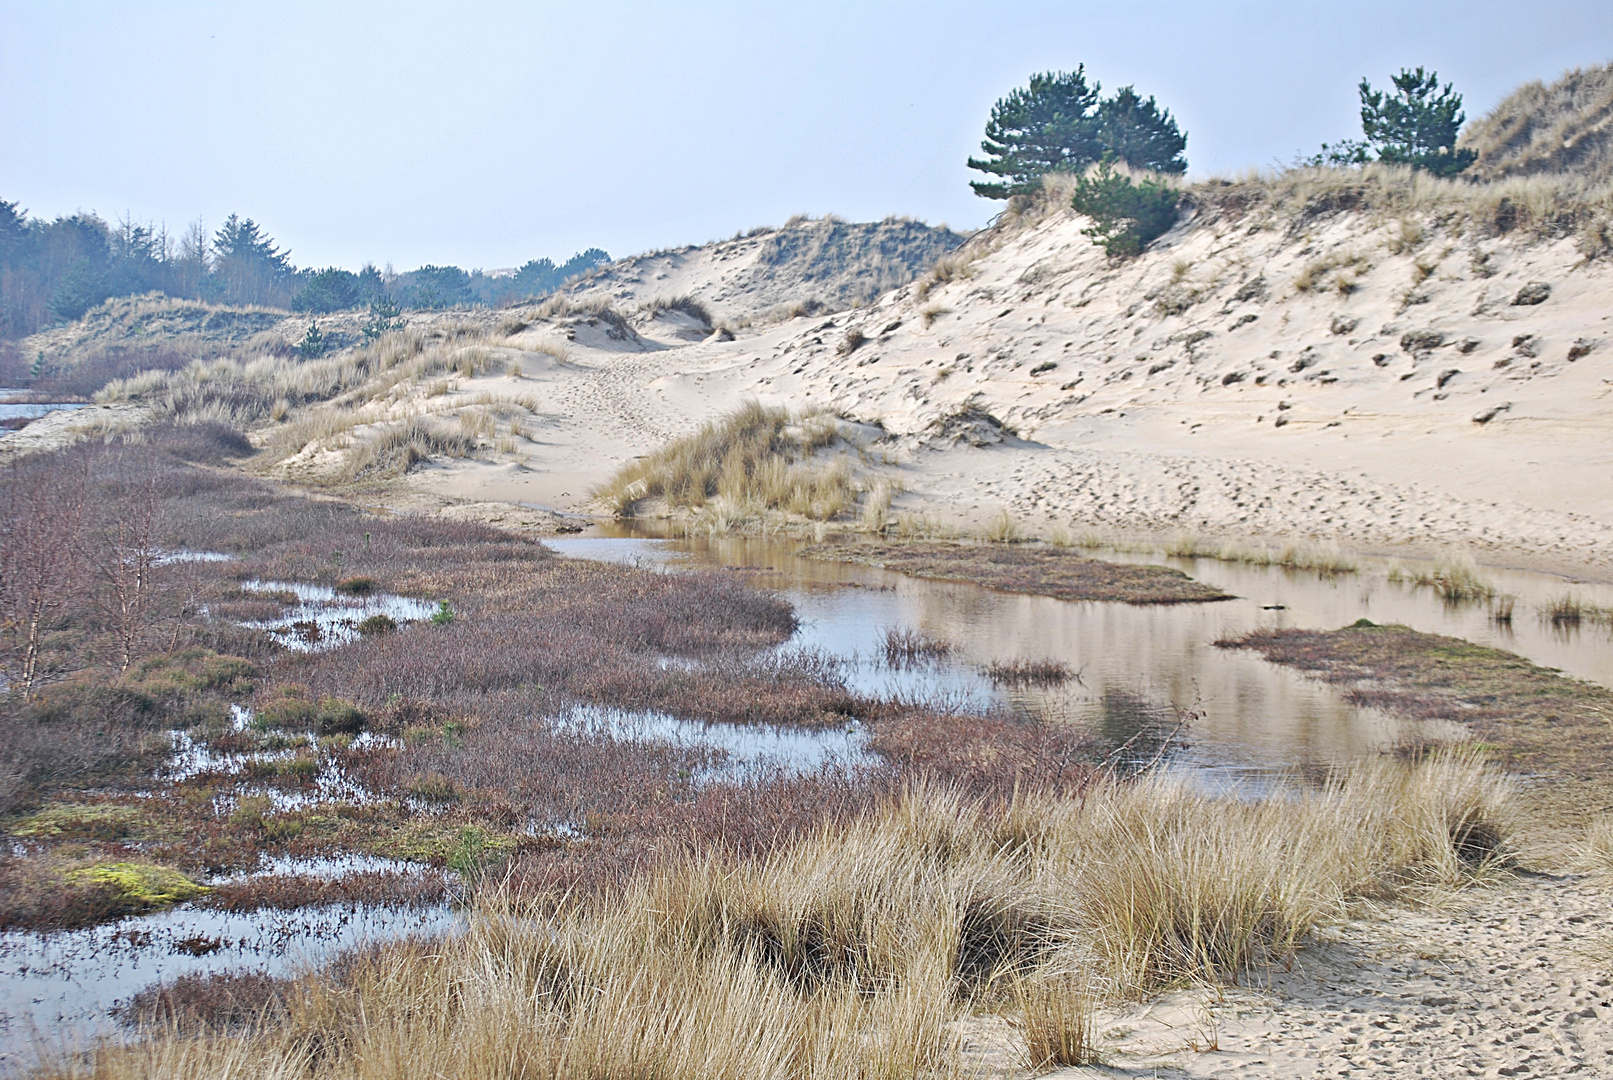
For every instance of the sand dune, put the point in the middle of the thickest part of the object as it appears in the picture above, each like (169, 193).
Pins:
(1225, 382)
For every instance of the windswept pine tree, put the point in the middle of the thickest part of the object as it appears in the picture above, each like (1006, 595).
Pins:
(1417, 124)
(1060, 124)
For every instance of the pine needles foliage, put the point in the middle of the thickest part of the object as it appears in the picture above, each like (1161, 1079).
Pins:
(1126, 216)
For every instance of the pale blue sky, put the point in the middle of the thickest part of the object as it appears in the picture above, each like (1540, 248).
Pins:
(484, 134)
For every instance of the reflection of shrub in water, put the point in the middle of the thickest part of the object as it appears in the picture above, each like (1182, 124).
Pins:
(377, 624)
(905, 646)
(1023, 672)
(292, 708)
(356, 586)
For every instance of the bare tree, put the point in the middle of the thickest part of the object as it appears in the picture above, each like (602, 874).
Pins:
(125, 564)
(41, 558)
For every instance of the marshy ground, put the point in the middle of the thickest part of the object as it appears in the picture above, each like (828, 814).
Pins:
(554, 751)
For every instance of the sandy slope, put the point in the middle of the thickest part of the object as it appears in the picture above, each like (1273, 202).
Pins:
(819, 264)
(1507, 980)
(1195, 388)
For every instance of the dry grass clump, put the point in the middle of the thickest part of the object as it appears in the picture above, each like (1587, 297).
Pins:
(753, 460)
(264, 386)
(395, 449)
(1597, 854)
(1056, 1019)
(686, 305)
(1570, 611)
(1004, 529)
(850, 951)
(1547, 206)
(1456, 578)
(1023, 672)
(1344, 266)
(1324, 559)
(907, 647)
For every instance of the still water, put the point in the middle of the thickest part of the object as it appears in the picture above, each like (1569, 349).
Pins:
(1140, 666)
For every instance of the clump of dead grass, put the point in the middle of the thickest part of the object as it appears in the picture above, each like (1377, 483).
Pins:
(906, 647)
(753, 460)
(1456, 578)
(1023, 672)
(1323, 559)
(852, 950)
(1570, 611)
(1597, 854)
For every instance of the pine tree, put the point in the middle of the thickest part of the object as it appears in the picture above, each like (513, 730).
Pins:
(1136, 132)
(1417, 125)
(248, 266)
(1060, 124)
(1049, 126)
(1126, 216)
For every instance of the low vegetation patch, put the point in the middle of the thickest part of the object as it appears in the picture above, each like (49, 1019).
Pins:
(1325, 560)
(1456, 578)
(1023, 672)
(1543, 722)
(1570, 612)
(58, 892)
(1023, 568)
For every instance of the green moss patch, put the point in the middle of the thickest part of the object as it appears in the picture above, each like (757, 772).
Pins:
(71, 821)
(1023, 568)
(138, 886)
(469, 849)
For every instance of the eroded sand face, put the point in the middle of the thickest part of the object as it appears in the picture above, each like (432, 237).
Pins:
(1195, 388)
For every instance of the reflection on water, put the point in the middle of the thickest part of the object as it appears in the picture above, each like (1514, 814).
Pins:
(62, 983)
(1139, 666)
(30, 410)
(740, 749)
(322, 618)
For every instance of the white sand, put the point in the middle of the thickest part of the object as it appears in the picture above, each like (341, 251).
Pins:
(1372, 455)
(1511, 979)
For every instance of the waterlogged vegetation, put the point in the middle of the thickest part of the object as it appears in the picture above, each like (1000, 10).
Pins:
(1541, 721)
(851, 951)
(639, 819)
(1041, 571)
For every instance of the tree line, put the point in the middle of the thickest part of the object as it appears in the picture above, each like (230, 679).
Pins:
(53, 271)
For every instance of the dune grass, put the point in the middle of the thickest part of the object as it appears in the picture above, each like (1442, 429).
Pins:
(849, 952)
(753, 460)
(1569, 611)
(1323, 559)
(1456, 578)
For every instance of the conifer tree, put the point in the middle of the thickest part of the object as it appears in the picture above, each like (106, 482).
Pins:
(1048, 126)
(1417, 124)
(1138, 133)
(1060, 124)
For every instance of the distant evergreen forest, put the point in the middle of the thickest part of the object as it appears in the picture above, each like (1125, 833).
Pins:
(54, 271)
